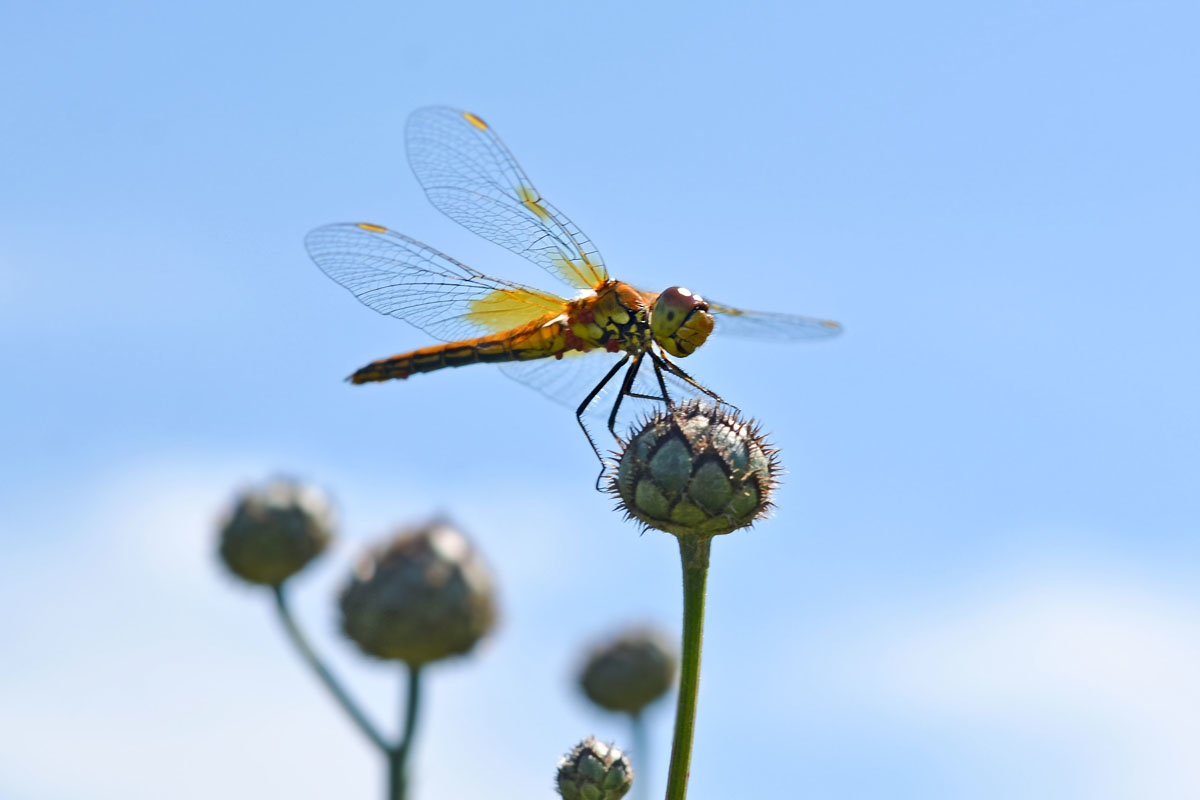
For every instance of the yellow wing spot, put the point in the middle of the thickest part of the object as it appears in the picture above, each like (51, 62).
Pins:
(474, 120)
(828, 323)
(366, 226)
(571, 270)
(503, 309)
(531, 201)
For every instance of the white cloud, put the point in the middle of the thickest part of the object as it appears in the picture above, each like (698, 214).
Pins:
(1094, 675)
(135, 668)
(157, 675)
(138, 671)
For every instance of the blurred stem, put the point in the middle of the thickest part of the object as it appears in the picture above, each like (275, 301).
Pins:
(641, 755)
(398, 756)
(331, 683)
(693, 551)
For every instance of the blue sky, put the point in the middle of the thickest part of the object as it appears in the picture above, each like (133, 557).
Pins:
(981, 577)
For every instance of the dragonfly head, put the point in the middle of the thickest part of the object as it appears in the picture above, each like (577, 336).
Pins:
(680, 321)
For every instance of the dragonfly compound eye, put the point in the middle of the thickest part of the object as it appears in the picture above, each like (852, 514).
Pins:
(680, 321)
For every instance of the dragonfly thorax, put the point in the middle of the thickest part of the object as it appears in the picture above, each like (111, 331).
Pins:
(616, 318)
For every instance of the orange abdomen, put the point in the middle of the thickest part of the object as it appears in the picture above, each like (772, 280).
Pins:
(533, 341)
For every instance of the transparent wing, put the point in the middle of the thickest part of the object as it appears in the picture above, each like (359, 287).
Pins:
(732, 321)
(403, 278)
(470, 176)
(568, 381)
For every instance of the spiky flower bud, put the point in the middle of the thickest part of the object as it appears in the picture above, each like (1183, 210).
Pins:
(696, 470)
(423, 595)
(270, 533)
(629, 672)
(594, 771)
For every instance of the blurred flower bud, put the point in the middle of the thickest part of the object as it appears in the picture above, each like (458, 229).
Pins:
(421, 596)
(696, 470)
(594, 771)
(629, 672)
(271, 533)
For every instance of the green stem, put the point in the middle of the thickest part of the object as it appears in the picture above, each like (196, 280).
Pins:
(398, 757)
(313, 660)
(641, 756)
(693, 552)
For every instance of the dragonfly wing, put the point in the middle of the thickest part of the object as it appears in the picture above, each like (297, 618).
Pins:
(567, 381)
(766, 325)
(403, 278)
(470, 176)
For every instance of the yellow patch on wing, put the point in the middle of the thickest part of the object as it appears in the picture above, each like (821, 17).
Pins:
(366, 226)
(733, 312)
(531, 201)
(474, 120)
(828, 323)
(577, 271)
(504, 309)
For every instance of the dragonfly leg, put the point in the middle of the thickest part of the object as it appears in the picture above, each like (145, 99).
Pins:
(678, 372)
(626, 391)
(662, 384)
(587, 401)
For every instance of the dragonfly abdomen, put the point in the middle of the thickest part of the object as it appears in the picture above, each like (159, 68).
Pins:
(541, 342)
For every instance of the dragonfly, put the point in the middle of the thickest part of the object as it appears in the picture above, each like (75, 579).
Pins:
(571, 350)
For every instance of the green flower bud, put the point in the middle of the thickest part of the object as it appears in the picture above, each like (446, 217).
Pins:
(629, 672)
(594, 771)
(696, 470)
(271, 533)
(422, 596)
